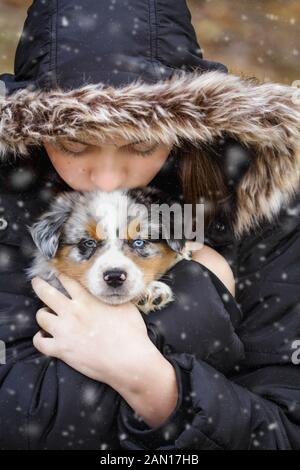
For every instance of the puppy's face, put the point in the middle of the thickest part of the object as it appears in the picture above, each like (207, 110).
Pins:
(109, 242)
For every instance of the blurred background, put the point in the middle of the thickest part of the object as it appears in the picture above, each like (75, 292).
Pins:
(252, 37)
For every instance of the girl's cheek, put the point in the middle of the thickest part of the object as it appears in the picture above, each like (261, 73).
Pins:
(148, 170)
(70, 174)
(82, 171)
(137, 175)
(76, 171)
(79, 176)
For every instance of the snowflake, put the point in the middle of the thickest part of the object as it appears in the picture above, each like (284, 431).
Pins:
(89, 395)
(64, 21)
(33, 429)
(21, 179)
(272, 426)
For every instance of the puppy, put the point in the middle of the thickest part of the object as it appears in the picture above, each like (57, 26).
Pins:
(117, 245)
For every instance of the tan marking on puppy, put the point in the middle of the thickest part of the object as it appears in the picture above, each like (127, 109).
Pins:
(155, 266)
(71, 268)
(95, 230)
(133, 229)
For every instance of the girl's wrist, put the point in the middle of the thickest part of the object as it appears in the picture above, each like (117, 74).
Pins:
(150, 386)
(132, 372)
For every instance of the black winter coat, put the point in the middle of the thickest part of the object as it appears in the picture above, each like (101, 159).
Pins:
(238, 388)
(236, 360)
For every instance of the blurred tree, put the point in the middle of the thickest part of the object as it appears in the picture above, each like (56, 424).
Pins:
(18, 3)
(12, 16)
(257, 38)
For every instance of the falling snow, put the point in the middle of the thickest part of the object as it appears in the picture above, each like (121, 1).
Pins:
(266, 266)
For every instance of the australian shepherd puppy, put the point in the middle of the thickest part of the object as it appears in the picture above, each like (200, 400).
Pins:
(116, 244)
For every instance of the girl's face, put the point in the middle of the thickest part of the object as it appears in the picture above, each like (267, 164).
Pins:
(85, 167)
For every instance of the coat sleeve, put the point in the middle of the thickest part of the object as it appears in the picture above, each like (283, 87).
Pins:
(220, 405)
(214, 412)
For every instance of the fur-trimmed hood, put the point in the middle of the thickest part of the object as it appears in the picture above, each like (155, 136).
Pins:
(200, 103)
(200, 108)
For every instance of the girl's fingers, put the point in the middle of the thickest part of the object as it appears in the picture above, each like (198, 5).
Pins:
(74, 288)
(52, 297)
(46, 346)
(47, 320)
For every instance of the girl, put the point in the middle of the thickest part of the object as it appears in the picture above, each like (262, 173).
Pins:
(109, 168)
(209, 371)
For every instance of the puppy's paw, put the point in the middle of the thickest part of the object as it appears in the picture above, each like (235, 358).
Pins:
(156, 296)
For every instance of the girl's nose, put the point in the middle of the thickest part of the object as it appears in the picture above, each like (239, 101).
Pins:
(106, 180)
(108, 173)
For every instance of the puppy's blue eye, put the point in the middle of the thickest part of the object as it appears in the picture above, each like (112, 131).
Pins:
(88, 243)
(87, 247)
(138, 243)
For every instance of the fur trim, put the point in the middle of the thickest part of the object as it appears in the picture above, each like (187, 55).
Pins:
(193, 106)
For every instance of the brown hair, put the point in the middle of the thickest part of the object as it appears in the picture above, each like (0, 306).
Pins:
(202, 178)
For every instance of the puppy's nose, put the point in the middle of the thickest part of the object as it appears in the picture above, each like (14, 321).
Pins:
(114, 277)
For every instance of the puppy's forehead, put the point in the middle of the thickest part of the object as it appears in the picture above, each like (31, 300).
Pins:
(101, 215)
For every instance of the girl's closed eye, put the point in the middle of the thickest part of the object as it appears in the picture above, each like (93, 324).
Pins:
(143, 149)
(76, 148)
(72, 147)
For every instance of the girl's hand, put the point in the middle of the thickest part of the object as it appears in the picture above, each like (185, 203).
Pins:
(94, 338)
(108, 343)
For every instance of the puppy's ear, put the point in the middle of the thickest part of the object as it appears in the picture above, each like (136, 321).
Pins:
(47, 230)
(174, 236)
(176, 244)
